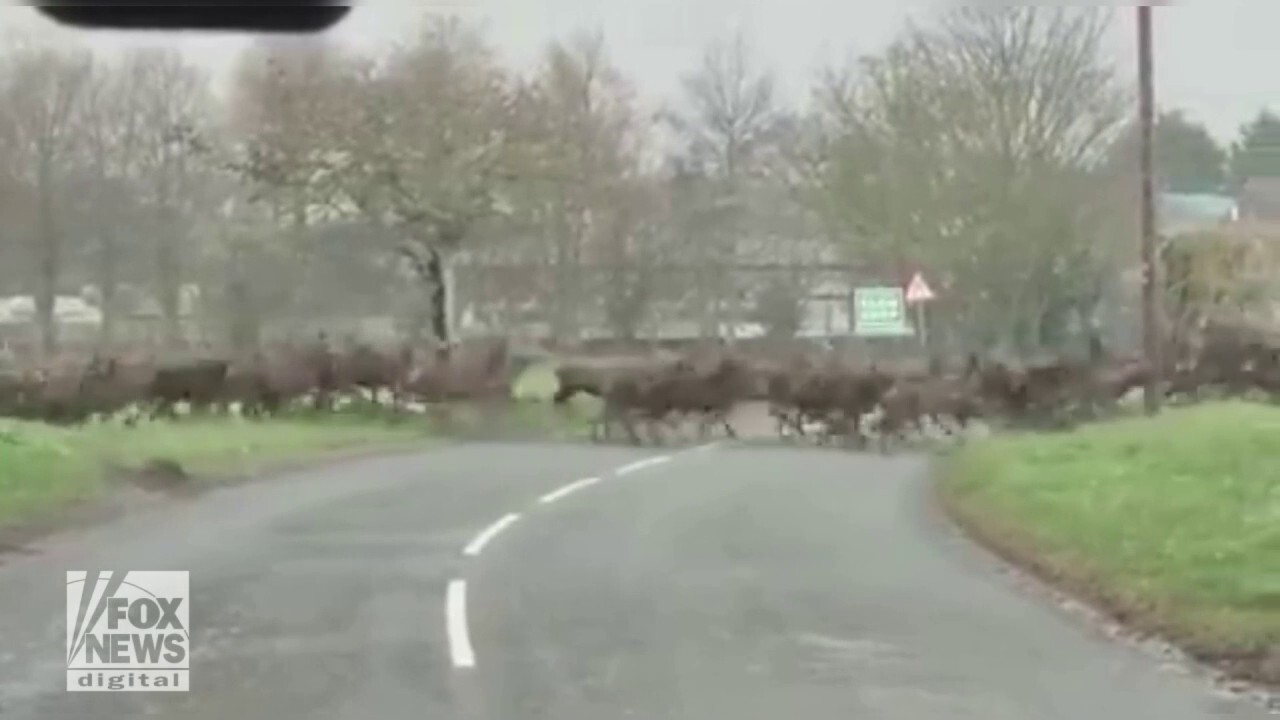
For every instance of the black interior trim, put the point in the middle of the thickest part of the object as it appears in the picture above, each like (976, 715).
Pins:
(278, 17)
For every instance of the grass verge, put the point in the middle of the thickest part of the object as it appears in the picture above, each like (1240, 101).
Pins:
(44, 468)
(1172, 524)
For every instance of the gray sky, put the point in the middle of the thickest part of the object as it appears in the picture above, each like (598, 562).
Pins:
(1213, 57)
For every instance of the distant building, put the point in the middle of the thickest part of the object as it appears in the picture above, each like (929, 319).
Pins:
(68, 309)
(1181, 213)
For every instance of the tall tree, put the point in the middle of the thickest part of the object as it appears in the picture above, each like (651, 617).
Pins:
(585, 129)
(285, 102)
(1257, 152)
(730, 130)
(176, 105)
(1187, 158)
(425, 147)
(43, 87)
(733, 114)
(112, 130)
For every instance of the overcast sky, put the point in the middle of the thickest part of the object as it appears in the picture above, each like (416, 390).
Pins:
(1215, 58)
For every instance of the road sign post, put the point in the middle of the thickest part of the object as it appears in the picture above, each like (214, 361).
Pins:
(918, 294)
(921, 327)
(880, 312)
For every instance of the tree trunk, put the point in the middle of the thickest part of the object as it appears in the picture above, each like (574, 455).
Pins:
(437, 279)
(303, 255)
(626, 303)
(568, 320)
(714, 323)
(48, 253)
(564, 318)
(244, 320)
(169, 288)
(109, 286)
(434, 266)
(168, 271)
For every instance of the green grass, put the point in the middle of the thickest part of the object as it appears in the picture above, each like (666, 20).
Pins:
(538, 382)
(43, 468)
(535, 388)
(1174, 521)
(40, 470)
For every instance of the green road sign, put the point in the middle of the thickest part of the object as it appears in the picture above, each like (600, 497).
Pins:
(880, 312)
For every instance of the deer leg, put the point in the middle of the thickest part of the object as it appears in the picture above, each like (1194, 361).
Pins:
(631, 430)
(962, 418)
(883, 440)
(855, 432)
(600, 425)
(704, 426)
(728, 427)
(612, 414)
(793, 421)
(655, 432)
(707, 428)
(781, 420)
(842, 428)
(798, 420)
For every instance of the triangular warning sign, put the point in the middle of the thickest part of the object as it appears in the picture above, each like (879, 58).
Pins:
(918, 290)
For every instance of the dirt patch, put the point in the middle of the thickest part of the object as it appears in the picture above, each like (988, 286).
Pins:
(163, 476)
(1130, 618)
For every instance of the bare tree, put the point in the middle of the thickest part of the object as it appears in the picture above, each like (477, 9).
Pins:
(287, 101)
(112, 130)
(730, 129)
(638, 241)
(43, 87)
(733, 115)
(175, 104)
(583, 124)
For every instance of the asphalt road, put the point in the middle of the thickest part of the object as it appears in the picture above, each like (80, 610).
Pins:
(729, 582)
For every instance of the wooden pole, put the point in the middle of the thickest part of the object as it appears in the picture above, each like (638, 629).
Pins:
(1146, 119)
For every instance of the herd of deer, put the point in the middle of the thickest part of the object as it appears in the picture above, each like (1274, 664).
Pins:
(823, 395)
(835, 398)
(263, 383)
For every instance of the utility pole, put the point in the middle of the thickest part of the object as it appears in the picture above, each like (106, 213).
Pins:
(1146, 121)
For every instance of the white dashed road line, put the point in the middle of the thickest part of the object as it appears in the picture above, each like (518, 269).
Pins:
(455, 623)
(642, 464)
(555, 495)
(489, 534)
(461, 652)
